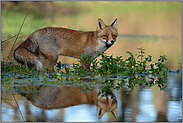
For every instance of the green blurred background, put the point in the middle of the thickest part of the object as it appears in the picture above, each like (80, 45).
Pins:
(135, 18)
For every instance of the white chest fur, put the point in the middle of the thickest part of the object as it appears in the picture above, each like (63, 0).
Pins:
(101, 48)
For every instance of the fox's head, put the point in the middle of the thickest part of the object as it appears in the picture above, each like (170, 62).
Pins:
(107, 103)
(107, 33)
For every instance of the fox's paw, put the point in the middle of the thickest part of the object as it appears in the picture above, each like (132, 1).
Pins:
(39, 64)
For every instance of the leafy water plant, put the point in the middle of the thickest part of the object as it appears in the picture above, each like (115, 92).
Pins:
(109, 72)
(132, 69)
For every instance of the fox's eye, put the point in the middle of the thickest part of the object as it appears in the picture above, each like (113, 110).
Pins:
(113, 36)
(114, 101)
(105, 36)
(104, 101)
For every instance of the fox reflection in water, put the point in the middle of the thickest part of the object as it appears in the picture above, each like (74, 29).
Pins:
(61, 97)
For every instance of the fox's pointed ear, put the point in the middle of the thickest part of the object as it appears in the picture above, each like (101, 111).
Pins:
(100, 24)
(114, 24)
(100, 112)
(114, 112)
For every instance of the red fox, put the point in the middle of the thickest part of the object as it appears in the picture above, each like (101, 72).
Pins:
(50, 42)
(61, 97)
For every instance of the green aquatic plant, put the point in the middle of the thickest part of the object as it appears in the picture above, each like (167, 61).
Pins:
(109, 71)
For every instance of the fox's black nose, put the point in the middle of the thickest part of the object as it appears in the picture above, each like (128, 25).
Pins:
(112, 97)
(112, 41)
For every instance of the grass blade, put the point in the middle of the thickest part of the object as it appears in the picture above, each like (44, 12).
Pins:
(2, 51)
(10, 38)
(18, 108)
(17, 36)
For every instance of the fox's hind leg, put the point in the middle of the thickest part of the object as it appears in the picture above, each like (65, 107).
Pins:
(24, 56)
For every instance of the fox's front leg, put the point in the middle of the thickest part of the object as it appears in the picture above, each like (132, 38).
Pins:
(52, 60)
(51, 53)
(85, 63)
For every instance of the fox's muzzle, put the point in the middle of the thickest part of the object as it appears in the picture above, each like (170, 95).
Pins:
(109, 43)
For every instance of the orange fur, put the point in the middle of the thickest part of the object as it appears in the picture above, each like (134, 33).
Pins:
(61, 97)
(50, 42)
